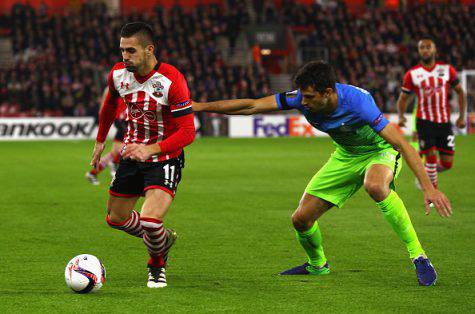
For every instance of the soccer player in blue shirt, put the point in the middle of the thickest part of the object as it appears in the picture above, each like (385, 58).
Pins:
(368, 151)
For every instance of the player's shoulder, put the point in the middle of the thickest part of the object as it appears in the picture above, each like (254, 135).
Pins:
(354, 98)
(118, 66)
(116, 69)
(169, 71)
(350, 91)
(442, 63)
(415, 68)
(446, 65)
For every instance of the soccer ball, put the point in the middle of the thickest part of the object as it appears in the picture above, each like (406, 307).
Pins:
(85, 273)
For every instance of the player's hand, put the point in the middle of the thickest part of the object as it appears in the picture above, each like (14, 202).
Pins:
(439, 200)
(402, 121)
(461, 122)
(96, 155)
(139, 152)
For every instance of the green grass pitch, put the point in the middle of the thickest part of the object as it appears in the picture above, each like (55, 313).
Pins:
(232, 214)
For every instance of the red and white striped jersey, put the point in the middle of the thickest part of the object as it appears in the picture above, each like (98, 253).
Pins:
(152, 102)
(432, 89)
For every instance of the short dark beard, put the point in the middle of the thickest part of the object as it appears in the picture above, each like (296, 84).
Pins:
(427, 60)
(131, 68)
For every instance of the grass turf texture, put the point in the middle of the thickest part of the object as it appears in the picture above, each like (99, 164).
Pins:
(232, 214)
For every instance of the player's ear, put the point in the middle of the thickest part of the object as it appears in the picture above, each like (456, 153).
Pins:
(150, 49)
(328, 91)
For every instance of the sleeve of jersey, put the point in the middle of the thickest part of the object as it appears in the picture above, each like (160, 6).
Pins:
(110, 82)
(107, 116)
(407, 86)
(372, 115)
(179, 98)
(108, 110)
(181, 138)
(289, 100)
(453, 79)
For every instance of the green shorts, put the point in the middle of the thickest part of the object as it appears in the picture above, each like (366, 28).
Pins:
(343, 174)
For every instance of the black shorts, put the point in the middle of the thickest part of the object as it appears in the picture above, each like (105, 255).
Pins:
(133, 178)
(437, 136)
(121, 126)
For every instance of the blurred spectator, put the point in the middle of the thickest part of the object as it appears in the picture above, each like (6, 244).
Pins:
(374, 49)
(62, 61)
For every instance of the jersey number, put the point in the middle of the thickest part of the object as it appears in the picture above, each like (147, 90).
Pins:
(451, 140)
(169, 175)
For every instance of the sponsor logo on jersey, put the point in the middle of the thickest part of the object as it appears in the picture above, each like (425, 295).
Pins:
(183, 104)
(429, 91)
(136, 112)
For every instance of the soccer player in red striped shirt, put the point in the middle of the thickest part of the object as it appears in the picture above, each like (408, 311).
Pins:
(430, 81)
(160, 124)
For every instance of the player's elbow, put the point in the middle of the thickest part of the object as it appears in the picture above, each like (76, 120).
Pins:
(189, 135)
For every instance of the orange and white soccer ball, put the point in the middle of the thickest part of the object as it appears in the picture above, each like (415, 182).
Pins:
(85, 273)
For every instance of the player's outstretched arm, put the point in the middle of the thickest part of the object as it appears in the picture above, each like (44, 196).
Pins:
(239, 106)
(431, 195)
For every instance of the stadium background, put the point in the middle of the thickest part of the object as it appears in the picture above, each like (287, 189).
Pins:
(56, 54)
(54, 59)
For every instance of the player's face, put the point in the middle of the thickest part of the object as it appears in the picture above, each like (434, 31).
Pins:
(133, 54)
(316, 101)
(426, 50)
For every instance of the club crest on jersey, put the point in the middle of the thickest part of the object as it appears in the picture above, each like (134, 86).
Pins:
(157, 89)
(136, 112)
(440, 72)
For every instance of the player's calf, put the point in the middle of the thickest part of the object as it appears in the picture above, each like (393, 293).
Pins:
(154, 238)
(131, 225)
(444, 165)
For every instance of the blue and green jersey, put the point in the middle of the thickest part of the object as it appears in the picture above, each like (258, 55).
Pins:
(353, 126)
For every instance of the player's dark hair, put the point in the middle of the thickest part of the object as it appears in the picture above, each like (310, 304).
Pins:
(140, 29)
(316, 74)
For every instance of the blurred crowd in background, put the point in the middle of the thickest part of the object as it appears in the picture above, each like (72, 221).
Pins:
(62, 61)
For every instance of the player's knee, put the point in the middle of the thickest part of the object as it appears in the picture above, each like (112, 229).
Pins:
(113, 219)
(300, 222)
(376, 190)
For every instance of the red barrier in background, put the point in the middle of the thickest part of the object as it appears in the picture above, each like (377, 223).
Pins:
(54, 6)
(128, 6)
(58, 6)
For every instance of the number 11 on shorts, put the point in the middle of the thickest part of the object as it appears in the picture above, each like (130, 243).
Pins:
(169, 174)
